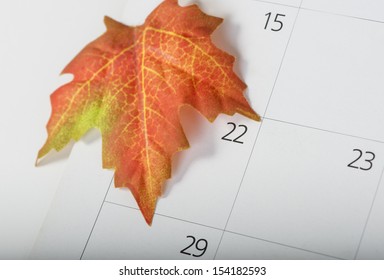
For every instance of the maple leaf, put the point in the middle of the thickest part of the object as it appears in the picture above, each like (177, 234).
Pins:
(131, 82)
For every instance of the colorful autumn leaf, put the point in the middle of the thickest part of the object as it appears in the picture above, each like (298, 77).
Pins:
(131, 82)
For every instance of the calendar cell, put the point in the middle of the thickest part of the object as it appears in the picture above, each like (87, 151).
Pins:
(256, 33)
(121, 233)
(332, 76)
(299, 190)
(206, 176)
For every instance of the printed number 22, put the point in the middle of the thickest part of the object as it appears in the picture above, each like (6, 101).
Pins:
(278, 22)
(235, 140)
(369, 160)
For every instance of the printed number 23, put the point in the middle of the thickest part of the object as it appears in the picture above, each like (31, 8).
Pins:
(369, 159)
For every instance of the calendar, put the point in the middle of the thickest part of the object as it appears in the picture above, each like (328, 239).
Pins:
(304, 183)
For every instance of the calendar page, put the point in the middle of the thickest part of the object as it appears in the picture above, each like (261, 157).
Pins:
(304, 183)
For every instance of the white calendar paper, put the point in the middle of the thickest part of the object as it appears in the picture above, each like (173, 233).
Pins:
(305, 183)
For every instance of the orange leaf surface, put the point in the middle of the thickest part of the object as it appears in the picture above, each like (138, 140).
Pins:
(131, 82)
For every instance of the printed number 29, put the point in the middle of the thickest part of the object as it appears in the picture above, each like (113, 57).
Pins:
(200, 245)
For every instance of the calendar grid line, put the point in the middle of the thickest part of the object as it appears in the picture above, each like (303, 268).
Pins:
(369, 215)
(166, 216)
(228, 231)
(320, 11)
(97, 217)
(343, 15)
(325, 130)
(282, 244)
(278, 4)
(281, 64)
(261, 125)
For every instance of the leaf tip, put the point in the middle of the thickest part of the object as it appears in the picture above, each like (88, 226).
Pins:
(148, 219)
(40, 155)
(147, 214)
(256, 117)
(147, 208)
(110, 23)
(250, 113)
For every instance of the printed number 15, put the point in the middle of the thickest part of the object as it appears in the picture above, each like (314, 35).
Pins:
(279, 24)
